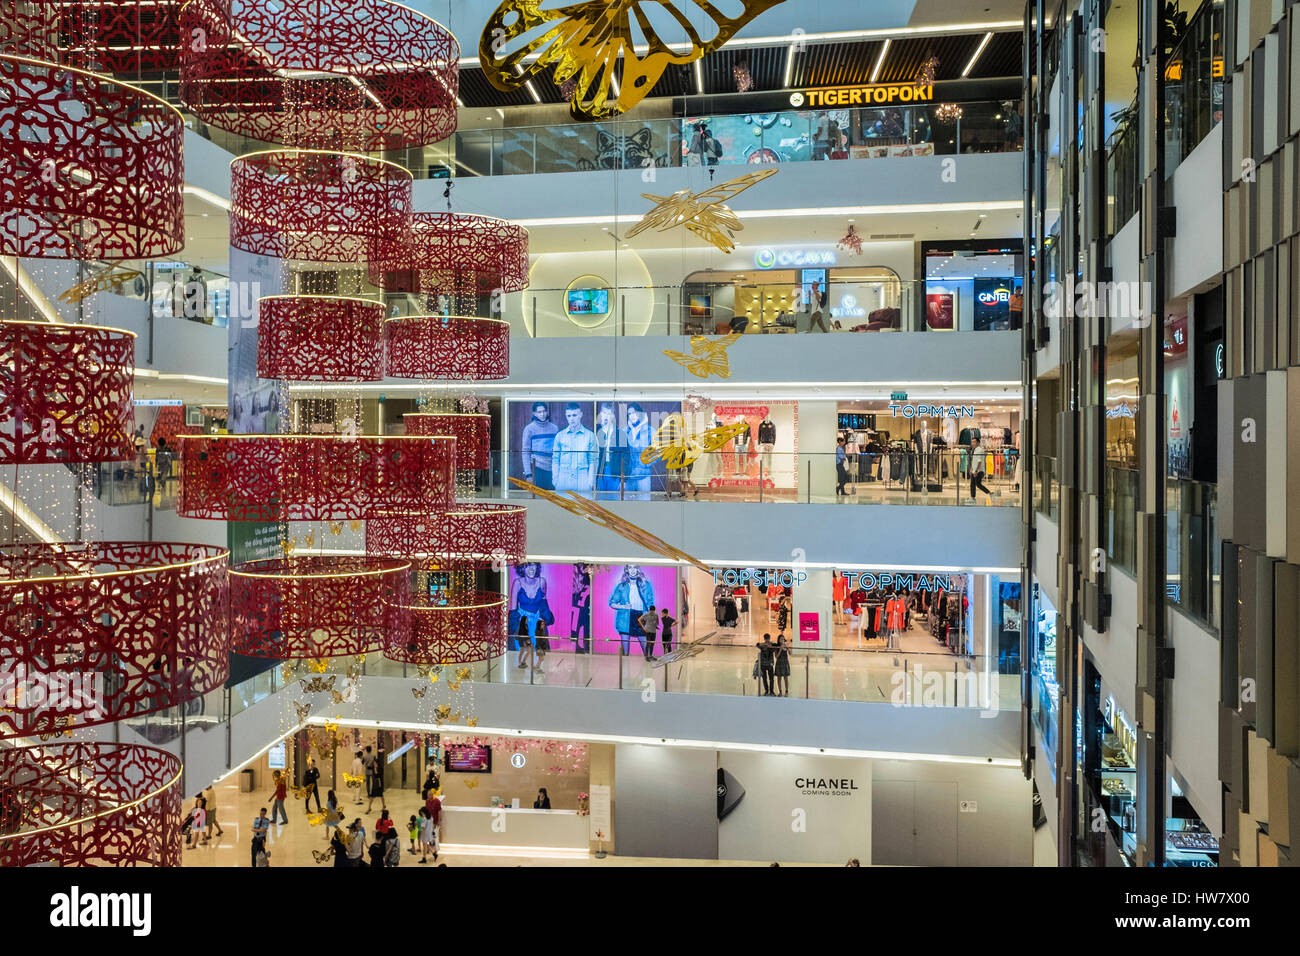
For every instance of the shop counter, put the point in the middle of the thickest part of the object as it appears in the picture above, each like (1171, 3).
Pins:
(471, 828)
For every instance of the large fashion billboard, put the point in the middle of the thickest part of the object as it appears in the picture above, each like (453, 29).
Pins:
(578, 608)
(592, 448)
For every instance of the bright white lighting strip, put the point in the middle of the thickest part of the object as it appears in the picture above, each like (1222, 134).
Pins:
(532, 91)
(1002, 205)
(613, 85)
(858, 390)
(880, 61)
(199, 192)
(530, 852)
(699, 78)
(669, 741)
(789, 66)
(179, 376)
(953, 29)
(978, 50)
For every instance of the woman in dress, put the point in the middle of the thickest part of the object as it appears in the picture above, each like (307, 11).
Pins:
(781, 669)
(528, 608)
(580, 628)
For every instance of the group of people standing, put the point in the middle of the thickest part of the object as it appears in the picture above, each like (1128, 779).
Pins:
(772, 666)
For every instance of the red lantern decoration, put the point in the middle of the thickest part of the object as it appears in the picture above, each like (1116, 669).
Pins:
(466, 535)
(318, 606)
(455, 254)
(470, 627)
(317, 206)
(364, 75)
(312, 477)
(472, 432)
(109, 36)
(447, 347)
(67, 393)
(89, 804)
(97, 632)
(90, 168)
(320, 338)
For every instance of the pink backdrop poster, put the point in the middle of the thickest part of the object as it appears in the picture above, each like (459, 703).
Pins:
(567, 594)
(659, 587)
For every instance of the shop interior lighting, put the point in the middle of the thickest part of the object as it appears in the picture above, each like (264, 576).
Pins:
(880, 61)
(978, 51)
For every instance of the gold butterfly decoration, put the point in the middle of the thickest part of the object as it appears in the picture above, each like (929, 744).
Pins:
(300, 793)
(462, 673)
(703, 213)
(419, 692)
(303, 711)
(336, 527)
(316, 819)
(287, 673)
(471, 722)
(354, 525)
(62, 728)
(101, 281)
(707, 357)
(350, 780)
(576, 504)
(453, 685)
(471, 784)
(310, 541)
(319, 665)
(287, 547)
(347, 696)
(317, 685)
(586, 40)
(323, 856)
(679, 449)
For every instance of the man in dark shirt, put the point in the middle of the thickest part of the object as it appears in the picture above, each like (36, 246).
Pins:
(766, 663)
(666, 622)
(310, 777)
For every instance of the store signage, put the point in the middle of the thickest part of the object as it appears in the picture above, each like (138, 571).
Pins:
(825, 786)
(931, 411)
(400, 750)
(156, 402)
(848, 308)
(518, 760)
(1218, 360)
(898, 396)
(863, 95)
(870, 580)
(767, 258)
(758, 577)
(994, 296)
(1121, 411)
(810, 626)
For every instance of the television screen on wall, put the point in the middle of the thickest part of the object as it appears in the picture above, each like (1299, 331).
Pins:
(466, 758)
(588, 301)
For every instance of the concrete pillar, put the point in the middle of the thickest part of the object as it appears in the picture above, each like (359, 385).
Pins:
(817, 431)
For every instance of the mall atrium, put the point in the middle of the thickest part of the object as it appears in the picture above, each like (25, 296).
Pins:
(469, 419)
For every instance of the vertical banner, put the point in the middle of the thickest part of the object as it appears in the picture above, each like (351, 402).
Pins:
(602, 827)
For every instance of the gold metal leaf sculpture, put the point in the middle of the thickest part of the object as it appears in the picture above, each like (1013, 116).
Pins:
(677, 449)
(575, 504)
(704, 213)
(584, 42)
(100, 282)
(707, 356)
(319, 666)
(318, 685)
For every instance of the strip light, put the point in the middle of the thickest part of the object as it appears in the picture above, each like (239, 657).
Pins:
(880, 60)
(789, 66)
(321, 720)
(978, 50)
(198, 192)
(699, 79)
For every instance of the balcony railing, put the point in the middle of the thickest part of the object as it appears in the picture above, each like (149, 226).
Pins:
(1194, 85)
(784, 137)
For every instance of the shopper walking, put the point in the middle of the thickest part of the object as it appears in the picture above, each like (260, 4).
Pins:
(977, 472)
(359, 771)
(339, 844)
(430, 814)
(310, 779)
(210, 804)
(356, 842)
(841, 468)
(368, 762)
(332, 815)
(649, 622)
(261, 827)
(198, 824)
(377, 790)
(781, 666)
(279, 794)
(816, 308)
(766, 662)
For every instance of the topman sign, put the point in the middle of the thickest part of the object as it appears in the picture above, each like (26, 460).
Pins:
(863, 95)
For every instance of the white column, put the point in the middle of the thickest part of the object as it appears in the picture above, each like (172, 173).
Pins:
(817, 431)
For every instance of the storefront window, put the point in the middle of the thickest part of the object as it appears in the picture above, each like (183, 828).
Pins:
(974, 287)
(1188, 841)
(1046, 689)
(776, 300)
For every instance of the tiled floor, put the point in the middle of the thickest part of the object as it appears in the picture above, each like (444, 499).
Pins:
(292, 844)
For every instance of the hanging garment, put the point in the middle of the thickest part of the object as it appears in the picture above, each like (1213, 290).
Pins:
(896, 610)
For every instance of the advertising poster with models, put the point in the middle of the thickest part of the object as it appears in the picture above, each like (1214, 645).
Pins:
(586, 610)
(591, 448)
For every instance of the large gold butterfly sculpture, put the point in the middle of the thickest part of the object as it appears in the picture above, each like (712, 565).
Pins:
(101, 281)
(576, 504)
(319, 685)
(677, 449)
(586, 40)
(707, 356)
(704, 214)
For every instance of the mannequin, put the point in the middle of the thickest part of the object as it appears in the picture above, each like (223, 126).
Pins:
(767, 444)
(742, 449)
